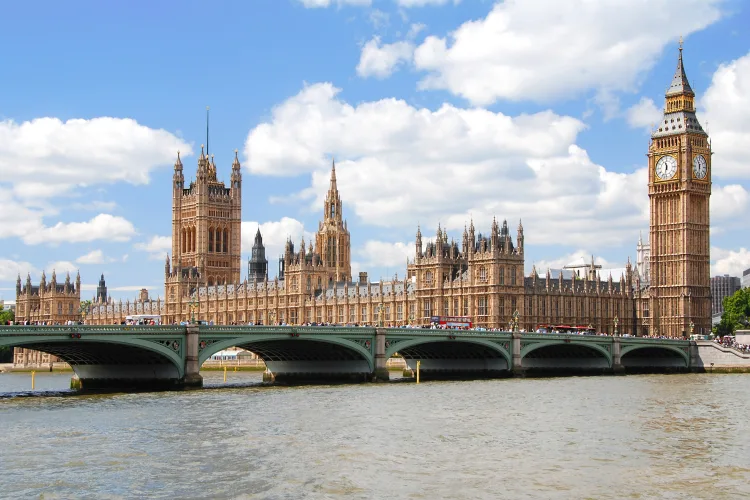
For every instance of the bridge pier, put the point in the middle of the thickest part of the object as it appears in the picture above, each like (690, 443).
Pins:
(517, 366)
(617, 367)
(381, 373)
(192, 378)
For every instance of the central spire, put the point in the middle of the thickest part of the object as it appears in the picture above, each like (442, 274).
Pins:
(680, 84)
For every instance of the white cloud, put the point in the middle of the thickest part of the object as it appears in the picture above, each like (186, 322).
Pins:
(313, 4)
(60, 268)
(381, 61)
(95, 206)
(540, 50)
(385, 255)
(423, 3)
(729, 203)
(10, 269)
(379, 19)
(415, 29)
(643, 114)
(726, 105)
(81, 152)
(93, 257)
(397, 165)
(102, 227)
(729, 262)
(157, 247)
(579, 257)
(274, 236)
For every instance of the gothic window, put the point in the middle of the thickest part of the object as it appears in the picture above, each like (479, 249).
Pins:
(502, 275)
(512, 275)
(210, 240)
(319, 283)
(455, 307)
(225, 247)
(59, 308)
(46, 308)
(387, 313)
(446, 312)
(364, 314)
(70, 308)
(412, 310)
(466, 307)
(308, 283)
(352, 314)
(428, 278)
(513, 304)
(482, 306)
(341, 314)
(319, 315)
(329, 314)
(502, 306)
(333, 210)
(482, 273)
(543, 302)
(427, 308)
(400, 312)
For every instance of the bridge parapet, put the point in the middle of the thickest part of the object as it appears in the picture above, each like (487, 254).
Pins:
(91, 329)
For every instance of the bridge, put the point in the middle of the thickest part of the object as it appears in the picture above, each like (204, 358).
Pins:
(170, 356)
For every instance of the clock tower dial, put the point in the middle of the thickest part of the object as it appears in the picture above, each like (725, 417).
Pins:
(679, 189)
(700, 167)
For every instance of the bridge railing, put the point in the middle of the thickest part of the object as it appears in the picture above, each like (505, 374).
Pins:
(112, 329)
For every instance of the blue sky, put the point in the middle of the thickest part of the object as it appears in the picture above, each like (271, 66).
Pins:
(436, 112)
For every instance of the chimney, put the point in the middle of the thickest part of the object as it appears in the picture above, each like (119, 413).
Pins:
(363, 278)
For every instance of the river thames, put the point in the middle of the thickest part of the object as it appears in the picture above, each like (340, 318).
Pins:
(650, 436)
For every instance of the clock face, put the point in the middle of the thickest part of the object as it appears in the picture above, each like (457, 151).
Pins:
(666, 167)
(699, 167)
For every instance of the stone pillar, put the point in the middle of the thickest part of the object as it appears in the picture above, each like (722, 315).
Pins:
(515, 350)
(381, 370)
(617, 367)
(192, 377)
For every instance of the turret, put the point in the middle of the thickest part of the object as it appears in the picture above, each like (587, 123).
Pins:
(78, 281)
(519, 237)
(472, 239)
(178, 178)
(166, 267)
(18, 285)
(67, 282)
(418, 243)
(236, 177)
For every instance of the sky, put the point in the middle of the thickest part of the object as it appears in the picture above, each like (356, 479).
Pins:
(435, 111)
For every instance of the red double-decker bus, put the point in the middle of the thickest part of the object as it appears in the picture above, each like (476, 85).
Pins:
(452, 321)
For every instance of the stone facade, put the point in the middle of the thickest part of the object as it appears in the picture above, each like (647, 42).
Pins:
(679, 188)
(50, 303)
(481, 278)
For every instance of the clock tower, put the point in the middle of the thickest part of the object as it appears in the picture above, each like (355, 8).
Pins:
(679, 187)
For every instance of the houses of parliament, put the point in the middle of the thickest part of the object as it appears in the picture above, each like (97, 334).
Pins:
(479, 275)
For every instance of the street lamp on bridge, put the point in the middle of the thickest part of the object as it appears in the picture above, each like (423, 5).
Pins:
(616, 322)
(514, 321)
(379, 311)
(692, 327)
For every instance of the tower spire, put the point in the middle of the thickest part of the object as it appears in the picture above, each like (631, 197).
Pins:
(207, 108)
(680, 84)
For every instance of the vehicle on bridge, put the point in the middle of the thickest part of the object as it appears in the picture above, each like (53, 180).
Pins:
(143, 319)
(561, 329)
(452, 321)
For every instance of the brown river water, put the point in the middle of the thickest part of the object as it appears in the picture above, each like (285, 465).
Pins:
(650, 436)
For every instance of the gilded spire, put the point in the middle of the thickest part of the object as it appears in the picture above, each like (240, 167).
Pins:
(680, 85)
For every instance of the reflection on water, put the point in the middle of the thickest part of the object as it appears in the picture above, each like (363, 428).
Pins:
(657, 436)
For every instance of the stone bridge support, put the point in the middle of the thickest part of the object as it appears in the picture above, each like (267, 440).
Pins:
(381, 373)
(617, 367)
(515, 349)
(193, 377)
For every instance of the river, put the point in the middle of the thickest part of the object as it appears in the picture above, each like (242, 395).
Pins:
(650, 436)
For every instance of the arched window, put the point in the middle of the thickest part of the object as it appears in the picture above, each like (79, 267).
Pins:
(482, 273)
(211, 239)
(226, 241)
(333, 210)
(308, 283)
(428, 278)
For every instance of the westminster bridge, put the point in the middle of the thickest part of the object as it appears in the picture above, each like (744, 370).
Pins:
(171, 356)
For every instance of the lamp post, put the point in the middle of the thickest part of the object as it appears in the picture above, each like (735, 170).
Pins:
(616, 322)
(379, 310)
(692, 327)
(271, 317)
(515, 320)
(193, 303)
(411, 320)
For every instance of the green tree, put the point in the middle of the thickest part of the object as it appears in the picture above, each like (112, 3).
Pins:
(736, 313)
(6, 315)
(85, 309)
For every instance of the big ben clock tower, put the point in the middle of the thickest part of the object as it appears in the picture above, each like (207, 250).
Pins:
(679, 188)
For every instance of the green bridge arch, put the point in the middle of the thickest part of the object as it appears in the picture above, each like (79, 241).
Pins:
(35, 341)
(565, 342)
(245, 341)
(630, 348)
(413, 342)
